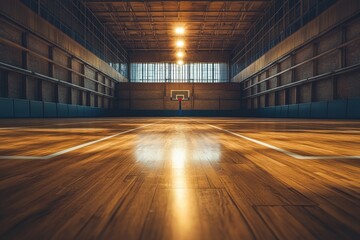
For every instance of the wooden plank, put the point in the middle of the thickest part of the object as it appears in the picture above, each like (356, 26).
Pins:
(217, 204)
(283, 224)
(319, 223)
(178, 179)
(258, 227)
(174, 213)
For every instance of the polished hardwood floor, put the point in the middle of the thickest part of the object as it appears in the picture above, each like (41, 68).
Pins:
(179, 178)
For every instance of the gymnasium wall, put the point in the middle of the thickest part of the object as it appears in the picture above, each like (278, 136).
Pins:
(43, 70)
(318, 66)
(204, 97)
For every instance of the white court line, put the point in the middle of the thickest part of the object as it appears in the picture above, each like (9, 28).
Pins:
(72, 123)
(72, 148)
(40, 126)
(291, 154)
(54, 124)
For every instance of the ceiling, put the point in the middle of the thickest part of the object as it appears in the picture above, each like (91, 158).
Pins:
(149, 24)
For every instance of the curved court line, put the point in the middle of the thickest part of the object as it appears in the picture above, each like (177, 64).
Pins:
(291, 154)
(72, 148)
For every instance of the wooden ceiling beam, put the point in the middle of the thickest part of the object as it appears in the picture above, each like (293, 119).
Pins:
(193, 39)
(122, 1)
(182, 11)
(159, 29)
(177, 21)
(190, 49)
(148, 24)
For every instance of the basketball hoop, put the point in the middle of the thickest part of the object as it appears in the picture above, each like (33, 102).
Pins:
(180, 95)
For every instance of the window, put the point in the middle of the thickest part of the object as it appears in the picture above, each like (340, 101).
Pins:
(172, 72)
(78, 22)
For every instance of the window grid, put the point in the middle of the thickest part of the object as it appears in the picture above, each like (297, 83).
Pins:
(84, 27)
(280, 20)
(171, 72)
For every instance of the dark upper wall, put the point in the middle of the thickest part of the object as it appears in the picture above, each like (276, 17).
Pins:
(75, 20)
(318, 63)
(280, 20)
(40, 63)
(19, 13)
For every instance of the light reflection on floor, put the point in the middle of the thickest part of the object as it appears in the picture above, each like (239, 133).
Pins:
(180, 192)
(181, 179)
(179, 153)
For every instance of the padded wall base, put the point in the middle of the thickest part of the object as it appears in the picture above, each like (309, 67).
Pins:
(338, 109)
(21, 108)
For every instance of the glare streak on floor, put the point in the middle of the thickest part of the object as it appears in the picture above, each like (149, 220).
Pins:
(179, 178)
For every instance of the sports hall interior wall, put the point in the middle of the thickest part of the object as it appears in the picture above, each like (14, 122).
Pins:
(314, 73)
(155, 98)
(45, 73)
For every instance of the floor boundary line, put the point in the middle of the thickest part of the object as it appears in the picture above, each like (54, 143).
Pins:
(53, 124)
(286, 152)
(59, 153)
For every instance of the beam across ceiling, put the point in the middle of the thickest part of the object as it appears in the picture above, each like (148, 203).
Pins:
(166, 39)
(150, 24)
(142, 20)
(122, 1)
(162, 28)
(188, 49)
(181, 11)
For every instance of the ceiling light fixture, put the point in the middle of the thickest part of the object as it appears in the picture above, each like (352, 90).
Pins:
(180, 54)
(180, 62)
(179, 30)
(180, 43)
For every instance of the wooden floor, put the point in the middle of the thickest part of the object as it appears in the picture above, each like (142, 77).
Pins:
(179, 178)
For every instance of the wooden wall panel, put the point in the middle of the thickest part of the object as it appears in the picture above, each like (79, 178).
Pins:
(229, 105)
(49, 92)
(29, 42)
(33, 90)
(304, 54)
(10, 55)
(63, 94)
(348, 85)
(329, 41)
(317, 67)
(305, 93)
(328, 63)
(323, 90)
(15, 85)
(207, 104)
(38, 65)
(293, 97)
(38, 46)
(272, 99)
(304, 71)
(75, 96)
(208, 96)
(353, 53)
(148, 94)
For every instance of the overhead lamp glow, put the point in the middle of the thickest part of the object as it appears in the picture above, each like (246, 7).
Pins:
(180, 62)
(180, 43)
(179, 30)
(180, 54)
